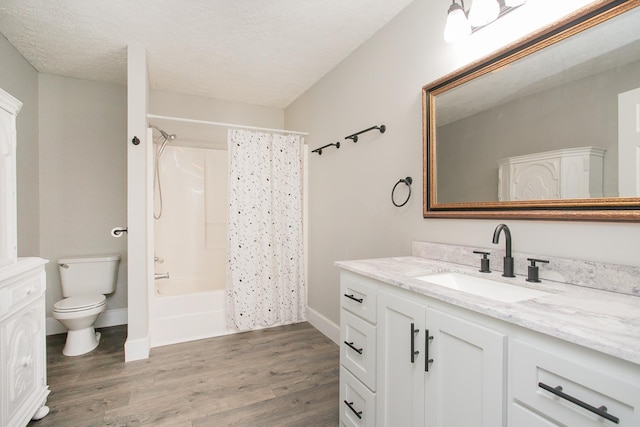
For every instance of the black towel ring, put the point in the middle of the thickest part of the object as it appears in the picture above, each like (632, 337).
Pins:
(407, 181)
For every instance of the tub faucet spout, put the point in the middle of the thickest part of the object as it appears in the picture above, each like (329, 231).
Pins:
(508, 259)
(157, 276)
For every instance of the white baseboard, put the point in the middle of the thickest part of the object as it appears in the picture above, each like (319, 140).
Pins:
(136, 349)
(324, 325)
(108, 318)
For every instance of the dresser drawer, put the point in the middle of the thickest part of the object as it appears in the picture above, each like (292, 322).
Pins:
(358, 348)
(21, 291)
(561, 388)
(358, 295)
(357, 402)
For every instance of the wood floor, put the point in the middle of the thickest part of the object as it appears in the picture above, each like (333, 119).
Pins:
(284, 376)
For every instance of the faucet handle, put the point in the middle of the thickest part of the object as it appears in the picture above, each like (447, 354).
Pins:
(484, 262)
(533, 270)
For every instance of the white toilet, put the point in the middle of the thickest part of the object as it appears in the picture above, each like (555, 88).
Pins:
(85, 281)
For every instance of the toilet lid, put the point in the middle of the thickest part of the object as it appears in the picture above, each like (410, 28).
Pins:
(81, 302)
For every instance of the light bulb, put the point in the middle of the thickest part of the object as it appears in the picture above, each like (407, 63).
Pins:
(483, 12)
(457, 26)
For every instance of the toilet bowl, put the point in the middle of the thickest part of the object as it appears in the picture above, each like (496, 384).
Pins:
(85, 280)
(79, 314)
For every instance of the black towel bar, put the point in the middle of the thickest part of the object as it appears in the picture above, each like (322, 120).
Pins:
(354, 136)
(319, 150)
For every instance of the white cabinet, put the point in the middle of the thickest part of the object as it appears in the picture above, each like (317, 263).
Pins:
(439, 365)
(553, 385)
(572, 173)
(9, 108)
(437, 369)
(358, 338)
(23, 376)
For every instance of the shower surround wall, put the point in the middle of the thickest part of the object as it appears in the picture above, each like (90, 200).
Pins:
(191, 245)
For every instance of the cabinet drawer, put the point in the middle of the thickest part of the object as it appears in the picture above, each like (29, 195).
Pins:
(22, 291)
(358, 348)
(358, 295)
(577, 390)
(357, 402)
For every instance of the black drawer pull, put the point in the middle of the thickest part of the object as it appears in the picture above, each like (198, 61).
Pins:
(358, 414)
(414, 352)
(353, 298)
(601, 411)
(427, 361)
(350, 344)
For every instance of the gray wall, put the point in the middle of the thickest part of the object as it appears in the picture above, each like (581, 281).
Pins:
(578, 114)
(20, 79)
(351, 215)
(83, 175)
(208, 109)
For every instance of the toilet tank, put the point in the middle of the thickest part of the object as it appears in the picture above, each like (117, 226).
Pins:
(84, 275)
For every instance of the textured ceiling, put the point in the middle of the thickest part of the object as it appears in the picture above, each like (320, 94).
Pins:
(264, 52)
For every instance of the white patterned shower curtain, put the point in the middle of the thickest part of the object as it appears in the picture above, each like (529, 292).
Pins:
(265, 269)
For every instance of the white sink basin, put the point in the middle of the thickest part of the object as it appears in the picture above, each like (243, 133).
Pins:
(486, 288)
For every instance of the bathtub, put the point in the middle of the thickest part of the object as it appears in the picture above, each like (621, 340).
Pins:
(190, 241)
(187, 317)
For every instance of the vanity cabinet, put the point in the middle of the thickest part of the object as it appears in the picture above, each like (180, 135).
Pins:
(421, 361)
(436, 368)
(22, 341)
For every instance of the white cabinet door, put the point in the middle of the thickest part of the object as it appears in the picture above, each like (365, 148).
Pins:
(9, 108)
(400, 381)
(465, 385)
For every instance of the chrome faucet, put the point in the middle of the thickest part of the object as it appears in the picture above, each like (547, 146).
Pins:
(508, 259)
(157, 276)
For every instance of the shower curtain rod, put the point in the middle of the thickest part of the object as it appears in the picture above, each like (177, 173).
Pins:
(230, 125)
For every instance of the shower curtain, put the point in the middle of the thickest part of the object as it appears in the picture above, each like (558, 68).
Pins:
(265, 269)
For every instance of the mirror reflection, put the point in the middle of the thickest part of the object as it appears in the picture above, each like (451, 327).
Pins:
(561, 123)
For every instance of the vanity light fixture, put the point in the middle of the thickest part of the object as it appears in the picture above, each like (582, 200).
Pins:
(457, 26)
(461, 23)
(483, 12)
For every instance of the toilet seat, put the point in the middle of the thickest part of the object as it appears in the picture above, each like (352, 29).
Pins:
(79, 303)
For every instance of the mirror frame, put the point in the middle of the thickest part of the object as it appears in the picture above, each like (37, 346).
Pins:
(598, 209)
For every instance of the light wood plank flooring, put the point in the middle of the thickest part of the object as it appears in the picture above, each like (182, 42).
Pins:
(284, 376)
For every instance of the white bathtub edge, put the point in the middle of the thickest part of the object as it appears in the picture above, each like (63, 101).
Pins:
(324, 325)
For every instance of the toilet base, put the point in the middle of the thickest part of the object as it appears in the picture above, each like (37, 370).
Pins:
(81, 341)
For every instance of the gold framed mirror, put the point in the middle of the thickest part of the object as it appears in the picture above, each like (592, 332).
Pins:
(545, 128)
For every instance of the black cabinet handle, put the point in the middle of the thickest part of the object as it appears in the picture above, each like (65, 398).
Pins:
(427, 361)
(354, 298)
(601, 411)
(358, 413)
(414, 352)
(350, 344)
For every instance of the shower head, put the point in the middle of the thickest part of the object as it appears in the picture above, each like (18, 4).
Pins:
(165, 135)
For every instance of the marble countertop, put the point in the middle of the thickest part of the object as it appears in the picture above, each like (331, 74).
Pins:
(605, 321)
